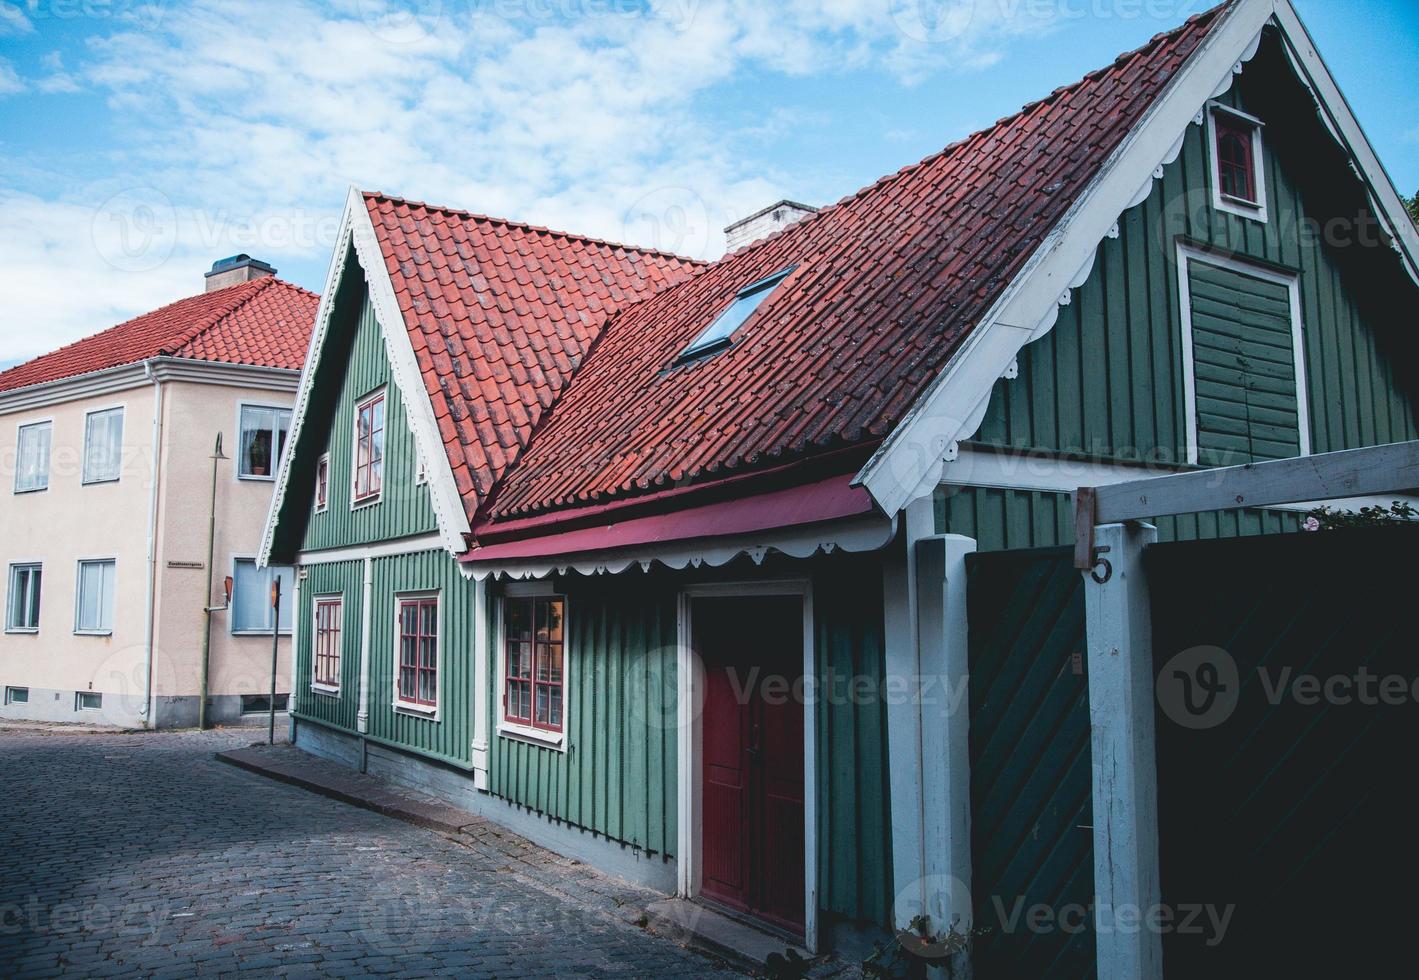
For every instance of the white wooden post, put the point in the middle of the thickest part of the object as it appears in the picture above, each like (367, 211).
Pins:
(362, 713)
(481, 682)
(945, 712)
(1121, 715)
(904, 735)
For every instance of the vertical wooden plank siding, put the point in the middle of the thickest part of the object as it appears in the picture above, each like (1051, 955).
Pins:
(345, 579)
(404, 508)
(1009, 520)
(617, 774)
(448, 738)
(1107, 381)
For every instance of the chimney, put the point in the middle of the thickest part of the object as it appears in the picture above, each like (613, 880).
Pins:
(763, 223)
(235, 269)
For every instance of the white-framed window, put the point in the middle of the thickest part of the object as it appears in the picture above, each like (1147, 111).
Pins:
(1236, 153)
(251, 597)
(17, 695)
(87, 701)
(93, 599)
(262, 440)
(22, 606)
(532, 662)
(32, 457)
(103, 445)
(416, 652)
(327, 635)
(367, 473)
(322, 484)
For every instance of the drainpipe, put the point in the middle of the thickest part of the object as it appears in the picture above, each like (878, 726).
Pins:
(362, 718)
(149, 606)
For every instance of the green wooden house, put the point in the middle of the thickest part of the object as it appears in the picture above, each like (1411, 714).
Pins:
(660, 562)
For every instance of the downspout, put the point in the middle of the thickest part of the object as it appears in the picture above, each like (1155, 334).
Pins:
(149, 613)
(362, 718)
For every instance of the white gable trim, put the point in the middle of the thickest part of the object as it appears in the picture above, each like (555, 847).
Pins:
(356, 228)
(916, 457)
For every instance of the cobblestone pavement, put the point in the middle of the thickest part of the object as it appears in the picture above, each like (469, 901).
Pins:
(141, 855)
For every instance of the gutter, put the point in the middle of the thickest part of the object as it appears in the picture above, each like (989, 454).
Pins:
(149, 612)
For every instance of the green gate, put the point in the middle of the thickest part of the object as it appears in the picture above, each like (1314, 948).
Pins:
(1287, 726)
(1031, 836)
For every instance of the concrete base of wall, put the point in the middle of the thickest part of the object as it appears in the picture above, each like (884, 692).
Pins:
(456, 786)
(126, 711)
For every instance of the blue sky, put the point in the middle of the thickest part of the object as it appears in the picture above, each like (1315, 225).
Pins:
(142, 139)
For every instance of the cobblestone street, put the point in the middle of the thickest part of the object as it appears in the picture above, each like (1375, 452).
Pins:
(140, 854)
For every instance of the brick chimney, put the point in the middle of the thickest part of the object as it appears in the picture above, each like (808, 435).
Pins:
(235, 269)
(763, 223)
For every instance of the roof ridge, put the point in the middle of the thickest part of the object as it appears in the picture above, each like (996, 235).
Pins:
(528, 226)
(955, 145)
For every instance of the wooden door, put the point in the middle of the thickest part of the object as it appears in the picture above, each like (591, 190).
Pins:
(752, 753)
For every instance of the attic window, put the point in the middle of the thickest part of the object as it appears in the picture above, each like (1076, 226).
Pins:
(1238, 183)
(717, 335)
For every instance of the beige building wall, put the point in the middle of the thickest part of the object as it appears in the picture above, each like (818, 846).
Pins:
(70, 521)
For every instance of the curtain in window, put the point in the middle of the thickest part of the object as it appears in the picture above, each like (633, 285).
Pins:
(261, 430)
(251, 597)
(96, 581)
(103, 446)
(32, 464)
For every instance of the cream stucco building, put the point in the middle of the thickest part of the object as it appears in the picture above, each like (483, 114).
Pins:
(106, 492)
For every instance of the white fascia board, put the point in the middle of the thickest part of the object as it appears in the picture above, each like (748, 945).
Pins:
(141, 373)
(333, 274)
(357, 229)
(380, 549)
(910, 462)
(103, 382)
(1335, 111)
(404, 367)
(226, 374)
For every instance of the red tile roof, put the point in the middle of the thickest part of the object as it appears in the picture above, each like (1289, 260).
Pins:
(887, 283)
(500, 315)
(264, 322)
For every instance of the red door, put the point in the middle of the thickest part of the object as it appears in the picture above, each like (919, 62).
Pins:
(752, 731)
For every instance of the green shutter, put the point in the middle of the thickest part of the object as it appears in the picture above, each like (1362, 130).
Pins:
(1244, 367)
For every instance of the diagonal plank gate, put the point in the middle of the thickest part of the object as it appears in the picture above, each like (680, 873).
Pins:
(1192, 759)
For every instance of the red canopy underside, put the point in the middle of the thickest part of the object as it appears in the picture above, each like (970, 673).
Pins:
(826, 500)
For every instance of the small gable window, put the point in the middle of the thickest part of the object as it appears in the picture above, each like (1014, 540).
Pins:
(1237, 180)
(717, 335)
(369, 448)
(322, 484)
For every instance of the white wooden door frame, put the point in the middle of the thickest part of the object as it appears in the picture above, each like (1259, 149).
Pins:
(689, 675)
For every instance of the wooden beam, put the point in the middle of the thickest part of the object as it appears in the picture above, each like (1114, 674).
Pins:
(1351, 473)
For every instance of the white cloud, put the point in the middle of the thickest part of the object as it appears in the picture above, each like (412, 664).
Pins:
(246, 120)
(9, 81)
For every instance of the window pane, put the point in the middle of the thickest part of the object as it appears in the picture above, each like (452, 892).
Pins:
(103, 445)
(32, 592)
(95, 599)
(251, 600)
(257, 428)
(542, 706)
(554, 711)
(32, 457)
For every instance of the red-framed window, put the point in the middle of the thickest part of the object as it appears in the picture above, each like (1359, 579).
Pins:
(1236, 158)
(534, 655)
(369, 448)
(329, 620)
(419, 651)
(322, 483)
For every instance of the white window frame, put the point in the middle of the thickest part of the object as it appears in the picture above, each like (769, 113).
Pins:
(84, 478)
(432, 712)
(1221, 201)
(10, 690)
(315, 685)
(1188, 254)
(276, 457)
(79, 595)
(20, 454)
(374, 498)
(511, 729)
(286, 624)
(79, 699)
(10, 596)
(322, 470)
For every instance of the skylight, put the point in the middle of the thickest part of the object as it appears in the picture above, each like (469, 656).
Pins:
(717, 335)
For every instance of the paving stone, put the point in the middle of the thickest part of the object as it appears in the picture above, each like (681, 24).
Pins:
(170, 863)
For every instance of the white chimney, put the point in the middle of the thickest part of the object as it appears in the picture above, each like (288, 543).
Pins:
(763, 223)
(234, 269)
